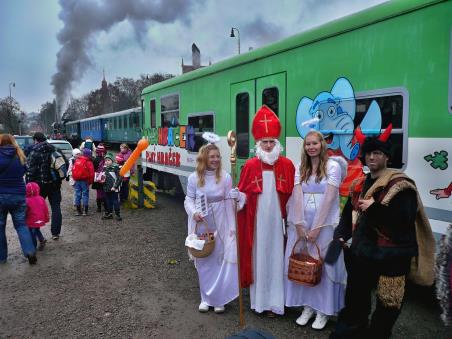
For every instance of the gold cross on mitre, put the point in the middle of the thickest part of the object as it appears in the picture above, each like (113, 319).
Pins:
(281, 179)
(265, 121)
(256, 181)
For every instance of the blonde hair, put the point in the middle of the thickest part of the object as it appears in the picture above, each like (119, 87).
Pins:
(201, 164)
(8, 139)
(124, 146)
(306, 163)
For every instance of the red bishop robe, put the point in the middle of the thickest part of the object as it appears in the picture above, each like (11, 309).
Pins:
(251, 184)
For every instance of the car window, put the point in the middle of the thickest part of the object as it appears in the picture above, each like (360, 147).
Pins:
(62, 146)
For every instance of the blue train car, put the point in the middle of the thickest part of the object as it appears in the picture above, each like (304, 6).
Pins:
(72, 132)
(92, 127)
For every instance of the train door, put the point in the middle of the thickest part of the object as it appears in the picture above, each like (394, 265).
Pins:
(271, 91)
(243, 107)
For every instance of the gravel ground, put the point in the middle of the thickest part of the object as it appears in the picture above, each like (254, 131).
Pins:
(110, 279)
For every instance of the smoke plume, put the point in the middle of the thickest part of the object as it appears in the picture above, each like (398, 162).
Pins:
(83, 19)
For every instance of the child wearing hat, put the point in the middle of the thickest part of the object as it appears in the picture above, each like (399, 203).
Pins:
(83, 175)
(111, 188)
(99, 176)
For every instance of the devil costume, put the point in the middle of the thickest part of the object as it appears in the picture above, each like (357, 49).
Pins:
(391, 239)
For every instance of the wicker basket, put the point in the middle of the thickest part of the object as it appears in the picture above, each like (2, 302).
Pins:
(209, 245)
(303, 268)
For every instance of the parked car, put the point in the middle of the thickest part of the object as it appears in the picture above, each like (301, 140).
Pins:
(23, 140)
(64, 146)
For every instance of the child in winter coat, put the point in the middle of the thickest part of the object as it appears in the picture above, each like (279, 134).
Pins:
(83, 174)
(37, 214)
(99, 176)
(111, 188)
(124, 153)
(75, 154)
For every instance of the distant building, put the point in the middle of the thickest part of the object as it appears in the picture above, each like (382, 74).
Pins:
(107, 104)
(196, 60)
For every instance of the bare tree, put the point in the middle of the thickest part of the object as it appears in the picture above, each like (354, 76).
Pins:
(9, 115)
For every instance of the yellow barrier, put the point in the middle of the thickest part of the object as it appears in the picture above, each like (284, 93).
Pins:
(148, 191)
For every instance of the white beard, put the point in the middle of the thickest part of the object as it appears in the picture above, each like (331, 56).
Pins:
(269, 157)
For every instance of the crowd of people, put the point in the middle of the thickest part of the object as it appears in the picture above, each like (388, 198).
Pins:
(29, 177)
(370, 244)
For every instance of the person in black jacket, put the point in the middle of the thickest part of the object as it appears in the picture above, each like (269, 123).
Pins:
(111, 188)
(12, 197)
(380, 218)
(39, 170)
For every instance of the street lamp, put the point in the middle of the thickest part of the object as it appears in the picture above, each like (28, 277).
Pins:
(13, 84)
(238, 36)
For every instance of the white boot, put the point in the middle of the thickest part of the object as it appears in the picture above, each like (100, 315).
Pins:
(307, 314)
(218, 309)
(203, 307)
(320, 321)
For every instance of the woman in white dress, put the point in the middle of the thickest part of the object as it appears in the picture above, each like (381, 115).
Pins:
(218, 278)
(313, 213)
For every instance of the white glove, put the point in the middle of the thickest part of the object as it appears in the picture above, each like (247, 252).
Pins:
(234, 194)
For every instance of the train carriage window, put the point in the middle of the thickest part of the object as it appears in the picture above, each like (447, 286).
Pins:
(242, 108)
(169, 110)
(136, 120)
(153, 114)
(202, 122)
(131, 120)
(270, 98)
(115, 123)
(393, 108)
(119, 122)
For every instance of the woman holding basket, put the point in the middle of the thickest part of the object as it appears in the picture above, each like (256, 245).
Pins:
(210, 210)
(313, 213)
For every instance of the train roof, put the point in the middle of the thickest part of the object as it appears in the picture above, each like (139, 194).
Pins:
(107, 115)
(372, 15)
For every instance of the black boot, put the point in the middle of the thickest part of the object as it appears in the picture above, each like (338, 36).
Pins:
(107, 216)
(118, 216)
(85, 211)
(99, 205)
(79, 210)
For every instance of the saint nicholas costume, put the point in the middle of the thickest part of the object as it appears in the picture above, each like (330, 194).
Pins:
(261, 220)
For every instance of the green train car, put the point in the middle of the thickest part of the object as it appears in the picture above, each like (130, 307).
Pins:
(388, 64)
(123, 126)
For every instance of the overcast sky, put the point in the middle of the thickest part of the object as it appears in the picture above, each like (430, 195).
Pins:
(50, 47)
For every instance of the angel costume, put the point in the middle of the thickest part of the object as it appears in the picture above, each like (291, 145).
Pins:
(217, 273)
(316, 205)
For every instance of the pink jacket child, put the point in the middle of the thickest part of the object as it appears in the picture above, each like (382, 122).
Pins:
(37, 210)
(37, 213)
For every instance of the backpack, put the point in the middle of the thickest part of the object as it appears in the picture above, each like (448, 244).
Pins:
(58, 166)
(79, 170)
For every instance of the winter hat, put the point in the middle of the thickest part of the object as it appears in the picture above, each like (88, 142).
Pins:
(87, 152)
(101, 149)
(75, 152)
(109, 156)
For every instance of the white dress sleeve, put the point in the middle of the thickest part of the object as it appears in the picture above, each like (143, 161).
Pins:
(295, 205)
(190, 198)
(331, 196)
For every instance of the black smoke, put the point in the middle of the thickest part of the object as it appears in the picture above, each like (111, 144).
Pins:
(83, 19)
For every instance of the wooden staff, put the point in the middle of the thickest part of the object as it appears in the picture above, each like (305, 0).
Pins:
(232, 141)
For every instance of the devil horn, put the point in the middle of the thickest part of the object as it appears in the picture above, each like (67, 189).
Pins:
(360, 137)
(385, 135)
